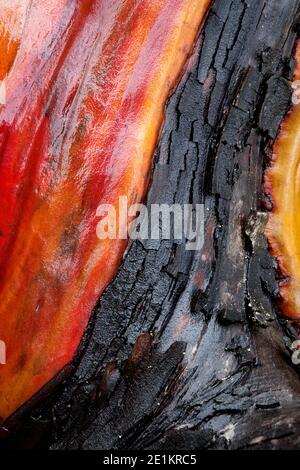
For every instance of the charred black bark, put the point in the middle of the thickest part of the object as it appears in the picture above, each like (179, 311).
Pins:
(186, 349)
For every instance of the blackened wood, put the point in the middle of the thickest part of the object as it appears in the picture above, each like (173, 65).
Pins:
(186, 350)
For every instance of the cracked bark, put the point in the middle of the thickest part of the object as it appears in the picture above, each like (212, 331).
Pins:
(186, 350)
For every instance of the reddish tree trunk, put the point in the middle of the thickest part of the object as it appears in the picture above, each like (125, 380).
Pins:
(187, 350)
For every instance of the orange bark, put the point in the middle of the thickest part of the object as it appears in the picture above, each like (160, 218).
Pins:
(282, 183)
(86, 85)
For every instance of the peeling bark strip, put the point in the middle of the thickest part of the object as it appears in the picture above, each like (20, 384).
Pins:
(282, 187)
(185, 349)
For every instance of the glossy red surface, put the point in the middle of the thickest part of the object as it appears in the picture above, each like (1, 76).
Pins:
(86, 85)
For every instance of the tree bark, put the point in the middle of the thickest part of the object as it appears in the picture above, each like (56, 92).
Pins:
(186, 350)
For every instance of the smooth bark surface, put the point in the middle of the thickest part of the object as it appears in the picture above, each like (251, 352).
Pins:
(186, 350)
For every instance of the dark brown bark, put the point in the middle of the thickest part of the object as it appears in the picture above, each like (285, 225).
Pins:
(186, 350)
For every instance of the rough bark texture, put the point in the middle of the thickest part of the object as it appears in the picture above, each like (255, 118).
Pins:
(186, 349)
